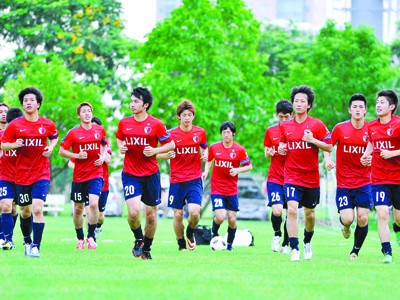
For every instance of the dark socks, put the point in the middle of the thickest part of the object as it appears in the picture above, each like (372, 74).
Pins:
(359, 237)
(386, 248)
(147, 242)
(181, 243)
(79, 233)
(37, 233)
(189, 231)
(276, 224)
(8, 226)
(294, 243)
(231, 235)
(395, 227)
(307, 236)
(15, 220)
(215, 228)
(26, 229)
(285, 235)
(138, 233)
(91, 229)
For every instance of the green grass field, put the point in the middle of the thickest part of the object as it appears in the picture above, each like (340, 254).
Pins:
(111, 272)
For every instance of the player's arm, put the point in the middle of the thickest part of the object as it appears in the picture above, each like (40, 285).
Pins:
(282, 149)
(68, 154)
(236, 171)
(207, 167)
(329, 164)
(122, 146)
(309, 138)
(166, 155)
(150, 151)
(366, 158)
(49, 149)
(386, 154)
(11, 146)
(102, 156)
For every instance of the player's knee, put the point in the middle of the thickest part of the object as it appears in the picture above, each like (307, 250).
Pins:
(37, 210)
(277, 211)
(292, 211)
(362, 220)
(194, 215)
(178, 215)
(7, 207)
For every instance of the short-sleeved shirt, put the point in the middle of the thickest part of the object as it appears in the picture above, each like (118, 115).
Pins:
(31, 165)
(271, 140)
(137, 135)
(222, 183)
(8, 162)
(301, 165)
(351, 144)
(385, 137)
(186, 165)
(90, 141)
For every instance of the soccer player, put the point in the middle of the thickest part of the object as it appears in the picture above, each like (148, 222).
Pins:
(276, 196)
(28, 135)
(88, 143)
(301, 139)
(186, 185)
(230, 159)
(3, 123)
(137, 138)
(353, 179)
(8, 187)
(384, 145)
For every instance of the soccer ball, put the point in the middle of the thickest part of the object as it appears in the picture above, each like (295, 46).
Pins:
(218, 243)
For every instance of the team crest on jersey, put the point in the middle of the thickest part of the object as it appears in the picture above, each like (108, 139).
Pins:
(195, 139)
(390, 131)
(97, 136)
(233, 154)
(365, 138)
(147, 129)
(42, 130)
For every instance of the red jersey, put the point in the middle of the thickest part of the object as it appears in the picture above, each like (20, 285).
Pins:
(90, 141)
(186, 165)
(385, 137)
(351, 144)
(271, 140)
(301, 165)
(8, 163)
(106, 185)
(225, 159)
(137, 136)
(31, 165)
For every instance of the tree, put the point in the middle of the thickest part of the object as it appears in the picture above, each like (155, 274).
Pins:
(206, 51)
(87, 35)
(60, 98)
(339, 64)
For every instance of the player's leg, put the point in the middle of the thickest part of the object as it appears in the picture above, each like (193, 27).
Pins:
(176, 199)
(102, 207)
(293, 195)
(7, 224)
(78, 223)
(310, 201)
(361, 231)
(2, 238)
(344, 204)
(381, 195)
(276, 202)
(218, 206)
(231, 229)
(193, 198)
(179, 229)
(346, 219)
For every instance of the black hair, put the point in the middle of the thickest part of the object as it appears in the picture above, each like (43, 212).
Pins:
(97, 121)
(3, 104)
(225, 125)
(13, 113)
(284, 106)
(144, 95)
(31, 90)
(358, 97)
(391, 96)
(304, 89)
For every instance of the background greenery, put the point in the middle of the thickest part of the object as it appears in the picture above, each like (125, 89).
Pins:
(214, 53)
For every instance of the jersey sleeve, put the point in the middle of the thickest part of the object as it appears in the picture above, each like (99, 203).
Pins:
(53, 133)
(244, 158)
(9, 134)
(104, 140)
(335, 135)
(267, 139)
(67, 142)
(203, 140)
(282, 138)
(323, 134)
(120, 134)
(211, 153)
(163, 134)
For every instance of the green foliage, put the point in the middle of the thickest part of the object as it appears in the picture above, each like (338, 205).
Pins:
(60, 98)
(87, 35)
(341, 63)
(207, 52)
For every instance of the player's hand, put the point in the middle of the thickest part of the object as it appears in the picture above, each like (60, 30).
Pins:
(99, 161)
(123, 148)
(19, 143)
(47, 151)
(386, 154)
(366, 160)
(330, 165)
(282, 150)
(269, 152)
(308, 136)
(233, 172)
(204, 157)
(149, 151)
(82, 155)
(171, 154)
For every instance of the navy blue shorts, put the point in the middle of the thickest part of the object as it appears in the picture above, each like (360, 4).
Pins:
(386, 194)
(350, 198)
(80, 190)
(190, 192)
(37, 190)
(8, 190)
(307, 197)
(275, 194)
(225, 202)
(149, 187)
